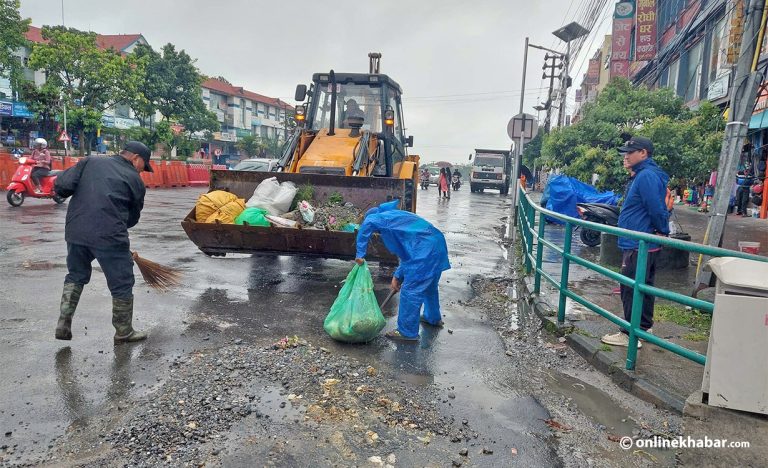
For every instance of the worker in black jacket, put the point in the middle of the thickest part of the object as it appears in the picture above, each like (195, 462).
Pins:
(107, 198)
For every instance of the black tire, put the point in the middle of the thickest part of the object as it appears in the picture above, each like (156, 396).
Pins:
(472, 188)
(59, 200)
(590, 237)
(15, 198)
(505, 190)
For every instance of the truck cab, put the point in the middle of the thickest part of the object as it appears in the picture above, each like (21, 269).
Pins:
(490, 170)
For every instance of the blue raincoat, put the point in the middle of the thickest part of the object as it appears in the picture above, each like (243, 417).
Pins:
(423, 256)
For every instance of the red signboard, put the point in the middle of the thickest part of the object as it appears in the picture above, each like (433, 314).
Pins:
(621, 42)
(593, 72)
(645, 34)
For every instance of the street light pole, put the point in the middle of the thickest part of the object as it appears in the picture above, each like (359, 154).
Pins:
(66, 141)
(518, 159)
(564, 84)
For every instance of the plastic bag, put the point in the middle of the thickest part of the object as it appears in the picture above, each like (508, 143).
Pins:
(253, 216)
(208, 203)
(228, 212)
(307, 211)
(274, 197)
(355, 316)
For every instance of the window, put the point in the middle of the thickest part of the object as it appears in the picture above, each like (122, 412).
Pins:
(362, 100)
(718, 50)
(263, 131)
(272, 113)
(693, 75)
(672, 73)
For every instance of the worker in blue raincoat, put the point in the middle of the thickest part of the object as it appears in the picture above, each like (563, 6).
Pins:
(423, 256)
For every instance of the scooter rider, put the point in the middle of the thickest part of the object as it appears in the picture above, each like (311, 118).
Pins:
(43, 160)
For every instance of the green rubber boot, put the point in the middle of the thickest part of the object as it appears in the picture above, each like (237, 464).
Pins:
(122, 318)
(69, 299)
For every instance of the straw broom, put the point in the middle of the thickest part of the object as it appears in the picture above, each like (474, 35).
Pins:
(157, 276)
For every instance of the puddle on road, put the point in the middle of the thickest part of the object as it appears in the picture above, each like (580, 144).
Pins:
(277, 407)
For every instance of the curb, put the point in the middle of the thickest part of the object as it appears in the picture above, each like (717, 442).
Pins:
(600, 360)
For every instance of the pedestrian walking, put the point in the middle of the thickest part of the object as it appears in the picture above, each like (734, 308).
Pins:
(107, 199)
(644, 210)
(423, 256)
(444, 184)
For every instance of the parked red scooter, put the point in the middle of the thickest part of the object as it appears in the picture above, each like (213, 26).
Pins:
(21, 185)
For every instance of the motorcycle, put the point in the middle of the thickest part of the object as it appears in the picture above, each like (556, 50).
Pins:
(21, 185)
(424, 182)
(597, 213)
(456, 180)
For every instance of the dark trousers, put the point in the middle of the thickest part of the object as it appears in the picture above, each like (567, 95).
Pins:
(742, 199)
(37, 173)
(116, 263)
(628, 269)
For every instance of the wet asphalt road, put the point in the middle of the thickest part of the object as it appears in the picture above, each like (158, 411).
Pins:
(52, 387)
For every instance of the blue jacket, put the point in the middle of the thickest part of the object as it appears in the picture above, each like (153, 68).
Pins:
(419, 245)
(644, 209)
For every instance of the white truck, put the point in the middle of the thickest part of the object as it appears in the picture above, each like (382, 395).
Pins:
(491, 169)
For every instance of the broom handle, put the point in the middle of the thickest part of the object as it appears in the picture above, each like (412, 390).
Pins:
(391, 293)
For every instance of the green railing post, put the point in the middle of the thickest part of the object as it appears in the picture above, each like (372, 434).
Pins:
(637, 303)
(539, 255)
(564, 273)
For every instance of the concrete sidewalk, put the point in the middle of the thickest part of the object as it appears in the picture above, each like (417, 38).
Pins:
(660, 377)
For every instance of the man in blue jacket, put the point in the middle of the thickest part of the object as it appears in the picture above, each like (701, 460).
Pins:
(644, 210)
(423, 256)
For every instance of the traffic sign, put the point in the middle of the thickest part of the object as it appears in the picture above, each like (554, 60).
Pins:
(63, 137)
(522, 125)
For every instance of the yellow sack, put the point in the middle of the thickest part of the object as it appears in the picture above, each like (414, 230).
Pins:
(208, 203)
(227, 213)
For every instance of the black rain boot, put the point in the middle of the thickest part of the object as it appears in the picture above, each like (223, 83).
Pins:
(122, 318)
(69, 299)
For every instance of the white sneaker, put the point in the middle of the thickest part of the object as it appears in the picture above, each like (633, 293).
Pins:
(619, 339)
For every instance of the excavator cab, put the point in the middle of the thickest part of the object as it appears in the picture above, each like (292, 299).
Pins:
(352, 126)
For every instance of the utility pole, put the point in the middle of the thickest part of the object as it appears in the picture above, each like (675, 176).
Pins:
(742, 100)
(551, 67)
(564, 85)
(518, 161)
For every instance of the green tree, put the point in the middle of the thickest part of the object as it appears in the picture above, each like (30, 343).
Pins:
(687, 143)
(45, 102)
(12, 29)
(271, 147)
(250, 145)
(91, 79)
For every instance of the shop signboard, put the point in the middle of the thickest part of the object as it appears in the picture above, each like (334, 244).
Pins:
(621, 41)
(645, 35)
(20, 110)
(593, 72)
(6, 108)
(719, 87)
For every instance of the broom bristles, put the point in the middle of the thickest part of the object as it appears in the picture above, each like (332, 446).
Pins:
(157, 276)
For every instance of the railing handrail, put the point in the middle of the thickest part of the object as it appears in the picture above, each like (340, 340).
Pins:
(651, 238)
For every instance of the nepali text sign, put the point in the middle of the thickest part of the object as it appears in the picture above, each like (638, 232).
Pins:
(621, 42)
(645, 34)
(593, 72)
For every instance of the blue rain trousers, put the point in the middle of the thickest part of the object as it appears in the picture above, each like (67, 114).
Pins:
(413, 294)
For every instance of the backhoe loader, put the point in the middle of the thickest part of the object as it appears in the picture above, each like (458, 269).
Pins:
(350, 141)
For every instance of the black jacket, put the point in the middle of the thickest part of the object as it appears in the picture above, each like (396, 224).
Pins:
(107, 198)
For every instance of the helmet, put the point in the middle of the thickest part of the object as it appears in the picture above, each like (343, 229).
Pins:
(41, 141)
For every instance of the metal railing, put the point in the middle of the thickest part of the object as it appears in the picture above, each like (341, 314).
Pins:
(532, 224)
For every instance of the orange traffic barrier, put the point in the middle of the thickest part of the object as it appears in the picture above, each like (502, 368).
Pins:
(153, 179)
(175, 174)
(198, 175)
(7, 169)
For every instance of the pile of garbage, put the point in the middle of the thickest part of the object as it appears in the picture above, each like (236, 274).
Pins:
(279, 204)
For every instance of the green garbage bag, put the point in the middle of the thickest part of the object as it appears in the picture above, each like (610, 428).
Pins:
(253, 216)
(355, 316)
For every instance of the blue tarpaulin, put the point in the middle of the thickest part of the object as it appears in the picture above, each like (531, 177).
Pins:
(563, 193)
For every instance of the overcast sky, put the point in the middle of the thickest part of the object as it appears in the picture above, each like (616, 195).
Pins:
(459, 62)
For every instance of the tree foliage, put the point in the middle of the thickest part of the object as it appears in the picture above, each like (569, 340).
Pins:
(687, 143)
(12, 29)
(90, 79)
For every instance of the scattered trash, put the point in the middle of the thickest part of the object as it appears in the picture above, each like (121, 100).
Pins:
(307, 211)
(282, 222)
(425, 440)
(557, 425)
(289, 342)
(614, 438)
(513, 450)
(487, 451)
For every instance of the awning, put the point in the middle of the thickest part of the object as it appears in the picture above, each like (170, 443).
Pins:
(759, 121)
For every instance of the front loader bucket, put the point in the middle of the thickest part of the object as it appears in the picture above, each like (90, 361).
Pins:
(363, 192)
